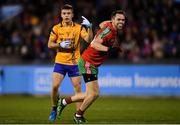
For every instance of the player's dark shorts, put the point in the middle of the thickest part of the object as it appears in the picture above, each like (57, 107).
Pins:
(72, 70)
(87, 70)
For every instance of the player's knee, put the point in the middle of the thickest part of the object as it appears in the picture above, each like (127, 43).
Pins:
(77, 88)
(55, 87)
(96, 95)
(93, 96)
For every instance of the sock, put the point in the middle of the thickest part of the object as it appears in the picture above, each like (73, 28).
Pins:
(54, 108)
(79, 113)
(66, 101)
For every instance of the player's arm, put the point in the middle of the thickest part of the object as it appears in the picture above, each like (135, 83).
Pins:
(89, 35)
(97, 44)
(88, 38)
(52, 44)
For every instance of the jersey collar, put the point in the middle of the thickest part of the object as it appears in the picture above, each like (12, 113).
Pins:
(62, 24)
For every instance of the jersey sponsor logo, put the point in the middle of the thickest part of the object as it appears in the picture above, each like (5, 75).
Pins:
(105, 32)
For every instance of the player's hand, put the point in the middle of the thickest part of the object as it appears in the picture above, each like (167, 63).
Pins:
(65, 44)
(116, 45)
(86, 22)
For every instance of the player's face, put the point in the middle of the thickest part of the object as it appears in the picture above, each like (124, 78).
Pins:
(118, 21)
(66, 15)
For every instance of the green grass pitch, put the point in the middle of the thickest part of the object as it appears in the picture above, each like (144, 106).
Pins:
(122, 110)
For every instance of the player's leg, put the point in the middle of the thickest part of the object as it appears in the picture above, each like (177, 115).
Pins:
(92, 92)
(92, 89)
(57, 77)
(56, 80)
(73, 73)
(76, 81)
(68, 100)
(89, 73)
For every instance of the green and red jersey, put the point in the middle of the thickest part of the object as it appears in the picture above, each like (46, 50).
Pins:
(108, 35)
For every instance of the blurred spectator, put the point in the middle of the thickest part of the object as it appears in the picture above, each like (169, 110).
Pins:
(177, 44)
(157, 47)
(170, 49)
(146, 50)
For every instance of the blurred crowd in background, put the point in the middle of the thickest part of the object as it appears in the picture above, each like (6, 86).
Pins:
(152, 31)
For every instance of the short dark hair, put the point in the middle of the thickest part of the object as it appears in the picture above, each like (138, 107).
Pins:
(68, 7)
(118, 12)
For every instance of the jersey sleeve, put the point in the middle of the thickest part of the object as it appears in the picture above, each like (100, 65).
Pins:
(83, 33)
(54, 33)
(103, 33)
(104, 23)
